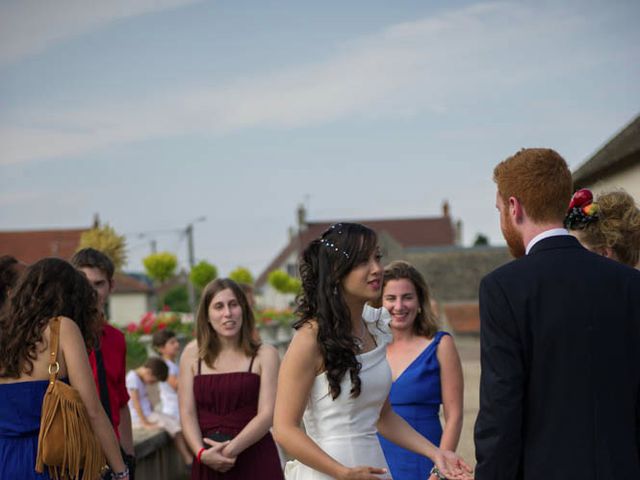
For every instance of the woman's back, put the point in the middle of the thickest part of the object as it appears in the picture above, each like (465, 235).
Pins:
(20, 408)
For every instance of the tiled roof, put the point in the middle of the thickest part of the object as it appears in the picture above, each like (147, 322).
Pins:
(408, 232)
(623, 149)
(125, 283)
(31, 246)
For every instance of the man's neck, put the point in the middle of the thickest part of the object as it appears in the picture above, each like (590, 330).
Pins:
(532, 230)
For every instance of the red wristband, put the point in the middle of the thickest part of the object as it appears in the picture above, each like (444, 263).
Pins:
(200, 454)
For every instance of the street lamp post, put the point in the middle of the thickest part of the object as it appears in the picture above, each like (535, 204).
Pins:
(191, 258)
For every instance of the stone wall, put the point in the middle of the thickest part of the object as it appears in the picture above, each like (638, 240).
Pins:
(454, 273)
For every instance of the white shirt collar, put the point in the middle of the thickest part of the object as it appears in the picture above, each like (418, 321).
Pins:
(554, 232)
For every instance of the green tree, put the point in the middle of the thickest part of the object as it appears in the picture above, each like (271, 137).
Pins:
(241, 275)
(283, 282)
(177, 299)
(160, 266)
(202, 273)
(481, 240)
(105, 239)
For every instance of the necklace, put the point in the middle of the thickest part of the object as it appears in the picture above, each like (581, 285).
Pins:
(359, 339)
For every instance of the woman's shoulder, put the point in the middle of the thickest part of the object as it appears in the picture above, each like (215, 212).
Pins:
(266, 351)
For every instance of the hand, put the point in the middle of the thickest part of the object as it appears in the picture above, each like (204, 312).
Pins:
(213, 457)
(150, 425)
(363, 473)
(452, 466)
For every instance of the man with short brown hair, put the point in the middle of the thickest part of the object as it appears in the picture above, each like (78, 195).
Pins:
(560, 342)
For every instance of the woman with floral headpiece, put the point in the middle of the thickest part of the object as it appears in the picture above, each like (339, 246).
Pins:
(335, 376)
(609, 226)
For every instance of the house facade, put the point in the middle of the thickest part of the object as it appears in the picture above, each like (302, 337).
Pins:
(615, 165)
(396, 237)
(130, 298)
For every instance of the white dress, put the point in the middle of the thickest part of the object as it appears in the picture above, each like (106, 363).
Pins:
(345, 428)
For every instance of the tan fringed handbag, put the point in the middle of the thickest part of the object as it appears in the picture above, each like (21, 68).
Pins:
(66, 444)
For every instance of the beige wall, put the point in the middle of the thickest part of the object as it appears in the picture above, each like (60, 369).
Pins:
(125, 308)
(628, 179)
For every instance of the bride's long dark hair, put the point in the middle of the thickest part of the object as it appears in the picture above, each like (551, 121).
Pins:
(323, 265)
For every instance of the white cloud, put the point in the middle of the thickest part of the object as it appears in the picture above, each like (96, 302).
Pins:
(433, 64)
(30, 26)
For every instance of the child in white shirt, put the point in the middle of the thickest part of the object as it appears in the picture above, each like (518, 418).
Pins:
(142, 413)
(168, 347)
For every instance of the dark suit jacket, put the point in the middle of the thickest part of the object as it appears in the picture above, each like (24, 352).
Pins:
(560, 384)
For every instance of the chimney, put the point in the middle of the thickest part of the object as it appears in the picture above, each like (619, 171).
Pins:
(445, 208)
(459, 232)
(302, 217)
(96, 220)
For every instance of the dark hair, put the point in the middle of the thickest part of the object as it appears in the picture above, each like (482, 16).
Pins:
(323, 265)
(161, 337)
(50, 287)
(92, 258)
(208, 342)
(10, 270)
(158, 368)
(426, 322)
(540, 179)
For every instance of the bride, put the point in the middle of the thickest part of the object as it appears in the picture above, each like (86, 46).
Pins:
(335, 375)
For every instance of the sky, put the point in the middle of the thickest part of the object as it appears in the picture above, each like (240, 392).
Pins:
(154, 114)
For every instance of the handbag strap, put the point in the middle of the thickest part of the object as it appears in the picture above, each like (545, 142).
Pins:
(54, 336)
(102, 382)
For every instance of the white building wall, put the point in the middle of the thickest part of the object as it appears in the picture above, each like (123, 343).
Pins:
(628, 179)
(125, 308)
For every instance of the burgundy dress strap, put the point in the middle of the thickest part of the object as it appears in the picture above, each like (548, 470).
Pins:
(199, 365)
(251, 363)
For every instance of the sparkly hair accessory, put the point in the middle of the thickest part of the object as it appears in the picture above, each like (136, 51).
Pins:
(582, 210)
(330, 245)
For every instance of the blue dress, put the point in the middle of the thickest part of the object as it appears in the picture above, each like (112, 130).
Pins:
(20, 408)
(416, 396)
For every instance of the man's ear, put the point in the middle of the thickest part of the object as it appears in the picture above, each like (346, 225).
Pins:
(516, 210)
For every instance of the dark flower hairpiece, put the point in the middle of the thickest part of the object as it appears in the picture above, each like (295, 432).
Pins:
(582, 210)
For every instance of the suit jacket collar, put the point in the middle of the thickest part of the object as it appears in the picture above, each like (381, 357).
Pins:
(550, 243)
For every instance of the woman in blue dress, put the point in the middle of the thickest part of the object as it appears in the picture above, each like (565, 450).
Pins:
(426, 371)
(49, 288)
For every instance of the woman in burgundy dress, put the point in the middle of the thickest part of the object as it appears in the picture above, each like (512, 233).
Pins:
(226, 391)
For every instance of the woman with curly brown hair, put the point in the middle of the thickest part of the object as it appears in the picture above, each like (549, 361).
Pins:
(49, 288)
(335, 375)
(609, 226)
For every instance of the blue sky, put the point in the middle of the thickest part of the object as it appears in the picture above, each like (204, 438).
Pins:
(154, 113)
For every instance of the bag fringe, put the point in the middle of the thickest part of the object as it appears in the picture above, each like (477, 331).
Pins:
(81, 451)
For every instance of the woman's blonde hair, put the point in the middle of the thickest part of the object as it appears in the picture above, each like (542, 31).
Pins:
(208, 341)
(426, 322)
(617, 227)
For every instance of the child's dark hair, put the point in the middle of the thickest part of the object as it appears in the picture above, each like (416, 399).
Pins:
(161, 337)
(158, 368)
(92, 258)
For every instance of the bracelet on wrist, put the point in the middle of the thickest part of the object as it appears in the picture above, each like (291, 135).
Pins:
(199, 455)
(119, 475)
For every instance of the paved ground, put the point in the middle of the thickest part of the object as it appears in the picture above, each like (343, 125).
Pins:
(469, 348)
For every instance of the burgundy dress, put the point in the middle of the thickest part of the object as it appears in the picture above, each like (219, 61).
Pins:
(225, 403)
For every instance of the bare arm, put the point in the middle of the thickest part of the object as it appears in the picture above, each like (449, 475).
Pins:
(186, 399)
(452, 386)
(172, 380)
(297, 374)
(268, 362)
(81, 378)
(126, 433)
(135, 399)
(189, 415)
